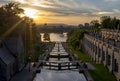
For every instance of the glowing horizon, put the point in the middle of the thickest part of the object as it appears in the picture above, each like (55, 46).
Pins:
(68, 11)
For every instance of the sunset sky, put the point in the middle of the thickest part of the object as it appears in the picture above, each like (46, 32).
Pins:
(68, 11)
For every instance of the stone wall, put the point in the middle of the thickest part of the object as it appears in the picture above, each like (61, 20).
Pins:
(111, 34)
(102, 52)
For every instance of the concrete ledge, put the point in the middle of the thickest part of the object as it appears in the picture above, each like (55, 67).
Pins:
(88, 76)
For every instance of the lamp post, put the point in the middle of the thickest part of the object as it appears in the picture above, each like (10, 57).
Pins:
(29, 62)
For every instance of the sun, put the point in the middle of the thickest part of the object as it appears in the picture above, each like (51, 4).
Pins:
(30, 12)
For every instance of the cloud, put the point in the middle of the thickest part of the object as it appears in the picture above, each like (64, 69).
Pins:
(2, 2)
(111, 0)
(69, 8)
(61, 7)
(116, 11)
(103, 13)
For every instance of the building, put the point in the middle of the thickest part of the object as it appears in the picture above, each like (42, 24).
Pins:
(7, 62)
(103, 52)
(16, 48)
(11, 57)
(111, 34)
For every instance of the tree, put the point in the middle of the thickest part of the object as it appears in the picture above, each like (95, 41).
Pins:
(13, 9)
(9, 15)
(46, 37)
(110, 23)
(75, 37)
(95, 25)
(106, 22)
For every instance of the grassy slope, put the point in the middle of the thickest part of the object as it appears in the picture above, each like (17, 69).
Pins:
(100, 73)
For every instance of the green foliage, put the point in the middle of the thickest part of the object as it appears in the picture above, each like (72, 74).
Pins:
(106, 22)
(75, 37)
(81, 56)
(110, 23)
(101, 73)
(46, 37)
(95, 26)
(9, 15)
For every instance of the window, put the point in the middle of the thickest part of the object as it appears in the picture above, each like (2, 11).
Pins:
(116, 66)
(103, 55)
(95, 49)
(99, 50)
(109, 59)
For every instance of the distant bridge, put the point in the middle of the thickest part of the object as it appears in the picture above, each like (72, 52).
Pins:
(54, 30)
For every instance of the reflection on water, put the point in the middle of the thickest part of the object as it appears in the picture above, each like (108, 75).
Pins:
(59, 63)
(55, 37)
(60, 76)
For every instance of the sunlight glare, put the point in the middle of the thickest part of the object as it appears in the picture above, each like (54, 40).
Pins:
(30, 12)
(11, 29)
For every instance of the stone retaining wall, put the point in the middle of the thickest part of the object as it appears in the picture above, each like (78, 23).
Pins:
(102, 52)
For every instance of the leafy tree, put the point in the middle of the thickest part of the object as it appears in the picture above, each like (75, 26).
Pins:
(95, 25)
(106, 22)
(110, 23)
(76, 36)
(9, 15)
(46, 37)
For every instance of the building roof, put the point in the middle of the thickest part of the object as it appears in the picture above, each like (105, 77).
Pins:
(11, 43)
(14, 44)
(5, 56)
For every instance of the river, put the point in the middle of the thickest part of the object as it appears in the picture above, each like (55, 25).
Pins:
(55, 37)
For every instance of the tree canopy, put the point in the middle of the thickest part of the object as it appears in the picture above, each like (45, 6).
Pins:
(105, 22)
(95, 25)
(75, 38)
(9, 16)
(110, 23)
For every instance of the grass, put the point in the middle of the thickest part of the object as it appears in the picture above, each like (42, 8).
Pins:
(81, 56)
(101, 73)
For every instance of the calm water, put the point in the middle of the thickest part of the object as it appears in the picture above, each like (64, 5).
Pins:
(59, 75)
(55, 37)
(47, 75)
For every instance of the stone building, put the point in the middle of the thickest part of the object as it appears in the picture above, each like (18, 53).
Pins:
(7, 62)
(11, 57)
(103, 52)
(111, 34)
(16, 48)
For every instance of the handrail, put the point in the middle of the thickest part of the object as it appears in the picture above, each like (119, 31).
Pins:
(104, 42)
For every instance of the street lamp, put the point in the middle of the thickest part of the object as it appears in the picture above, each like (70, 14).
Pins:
(29, 62)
